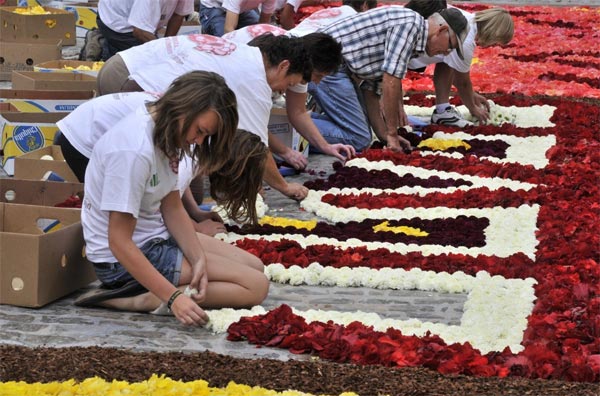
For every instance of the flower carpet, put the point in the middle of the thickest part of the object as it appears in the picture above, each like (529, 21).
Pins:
(506, 213)
(519, 207)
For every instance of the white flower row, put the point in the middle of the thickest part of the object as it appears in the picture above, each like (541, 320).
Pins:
(523, 117)
(495, 313)
(525, 151)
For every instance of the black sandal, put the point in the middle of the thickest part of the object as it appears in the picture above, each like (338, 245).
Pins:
(102, 293)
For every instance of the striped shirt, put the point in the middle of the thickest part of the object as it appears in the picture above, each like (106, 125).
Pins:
(381, 40)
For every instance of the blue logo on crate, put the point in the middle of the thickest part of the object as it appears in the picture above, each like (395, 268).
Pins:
(28, 138)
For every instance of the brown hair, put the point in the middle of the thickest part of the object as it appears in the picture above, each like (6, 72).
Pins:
(239, 180)
(189, 96)
(494, 26)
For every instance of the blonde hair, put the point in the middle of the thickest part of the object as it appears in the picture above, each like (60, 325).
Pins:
(189, 96)
(494, 26)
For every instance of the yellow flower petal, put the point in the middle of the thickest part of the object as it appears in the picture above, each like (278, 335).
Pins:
(384, 227)
(287, 222)
(443, 144)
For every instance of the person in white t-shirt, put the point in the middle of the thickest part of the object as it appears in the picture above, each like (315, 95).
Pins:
(83, 127)
(253, 72)
(138, 236)
(325, 54)
(492, 26)
(127, 23)
(223, 16)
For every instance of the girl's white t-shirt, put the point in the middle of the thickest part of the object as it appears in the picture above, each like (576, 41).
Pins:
(85, 125)
(239, 6)
(126, 174)
(321, 19)
(155, 64)
(148, 15)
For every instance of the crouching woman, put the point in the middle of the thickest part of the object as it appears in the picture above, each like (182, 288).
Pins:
(139, 237)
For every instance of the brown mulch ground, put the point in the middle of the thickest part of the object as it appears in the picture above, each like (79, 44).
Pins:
(318, 377)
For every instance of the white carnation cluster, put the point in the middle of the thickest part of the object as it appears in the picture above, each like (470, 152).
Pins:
(522, 150)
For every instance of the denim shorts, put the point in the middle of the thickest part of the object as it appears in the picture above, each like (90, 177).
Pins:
(164, 255)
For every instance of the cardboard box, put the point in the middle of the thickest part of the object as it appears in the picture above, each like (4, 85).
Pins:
(37, 268)
(53, 81)
(59, 25)
(9, 3)
(31, 101)
(21, 56)
(7, 107)
(280, 127)
(37, 192)
(30, 166)
(25, 132)
(85, 16)
(68, 66)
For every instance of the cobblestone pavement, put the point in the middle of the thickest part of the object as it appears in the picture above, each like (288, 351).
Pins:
(61, 324)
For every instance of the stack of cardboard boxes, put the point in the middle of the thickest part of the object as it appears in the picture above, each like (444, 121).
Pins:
(42, 253)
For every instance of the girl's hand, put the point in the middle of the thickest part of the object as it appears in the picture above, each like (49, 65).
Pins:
(188, 312)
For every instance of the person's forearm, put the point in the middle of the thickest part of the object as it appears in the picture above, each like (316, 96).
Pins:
(174, 25)
(180, 226)
(301, 120)
(392, 100)
(231, 21)
(265, 18)
(462, 82)
(286, 19)
(272, 176)
(277, 146)
(143, 35)
(190, 205)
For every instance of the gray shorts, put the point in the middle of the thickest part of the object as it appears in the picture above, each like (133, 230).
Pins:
(164, 255)
(114, 78)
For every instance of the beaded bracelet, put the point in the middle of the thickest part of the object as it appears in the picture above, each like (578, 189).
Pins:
(175, 294)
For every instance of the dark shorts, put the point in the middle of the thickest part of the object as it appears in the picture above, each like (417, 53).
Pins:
(164, 255)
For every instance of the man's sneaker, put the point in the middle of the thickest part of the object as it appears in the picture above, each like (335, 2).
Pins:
(450, 116)
(92, 47)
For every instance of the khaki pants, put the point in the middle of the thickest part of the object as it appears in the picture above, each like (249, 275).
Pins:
(114, 77)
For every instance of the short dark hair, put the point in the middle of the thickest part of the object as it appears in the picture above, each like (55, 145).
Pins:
(324, 51)
(279, 48)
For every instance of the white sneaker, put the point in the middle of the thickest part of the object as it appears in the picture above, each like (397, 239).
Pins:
(450, 116)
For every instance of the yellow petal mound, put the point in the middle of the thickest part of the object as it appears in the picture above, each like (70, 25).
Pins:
(287, 222)
(156, 385)
(33, 10)
(443, 144)
(383, 227)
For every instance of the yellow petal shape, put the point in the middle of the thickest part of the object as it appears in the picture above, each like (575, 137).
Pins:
(287, 222)
(384, 227)
(443, 144)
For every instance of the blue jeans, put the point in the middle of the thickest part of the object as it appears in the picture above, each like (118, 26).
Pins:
(213, 20)
(164, 255)
(343, 119)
